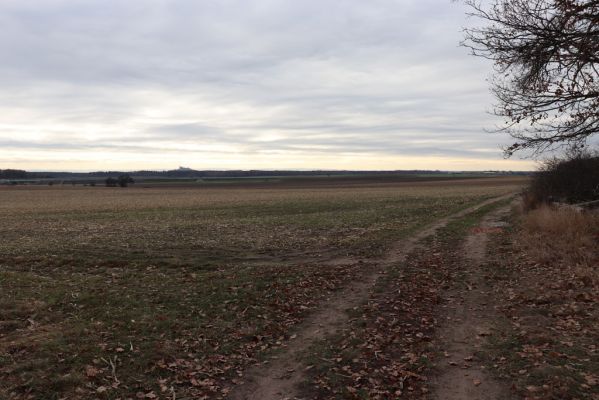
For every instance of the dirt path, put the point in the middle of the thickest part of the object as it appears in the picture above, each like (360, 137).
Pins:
(469, 319)
(278, 378)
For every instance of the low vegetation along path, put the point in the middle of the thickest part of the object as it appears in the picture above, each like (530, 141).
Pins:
(469, 317)
(278, 378)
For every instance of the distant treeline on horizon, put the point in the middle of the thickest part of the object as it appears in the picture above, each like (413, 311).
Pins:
(190, 173)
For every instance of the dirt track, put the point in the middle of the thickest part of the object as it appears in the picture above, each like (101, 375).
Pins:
(469, 315)
(278, 379)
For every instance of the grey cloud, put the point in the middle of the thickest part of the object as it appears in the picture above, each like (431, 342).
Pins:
(382, 76)
(327, 148)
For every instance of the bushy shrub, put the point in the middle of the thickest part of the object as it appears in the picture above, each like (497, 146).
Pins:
(572, 179)
(125, 180)
(111, 182)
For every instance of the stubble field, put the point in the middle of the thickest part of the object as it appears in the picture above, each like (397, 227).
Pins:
(173, 292)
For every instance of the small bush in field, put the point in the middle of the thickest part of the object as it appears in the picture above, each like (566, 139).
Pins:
(125, 180)
(111, 182)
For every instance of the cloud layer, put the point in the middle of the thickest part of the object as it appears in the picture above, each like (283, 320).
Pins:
(235, 84)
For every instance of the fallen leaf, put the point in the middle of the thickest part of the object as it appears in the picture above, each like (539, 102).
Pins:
(101, 389)
(91, 372)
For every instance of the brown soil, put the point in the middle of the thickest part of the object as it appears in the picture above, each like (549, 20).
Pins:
(278, 378)
(469, 318)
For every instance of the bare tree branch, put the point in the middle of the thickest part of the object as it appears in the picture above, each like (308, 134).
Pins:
(546, 57)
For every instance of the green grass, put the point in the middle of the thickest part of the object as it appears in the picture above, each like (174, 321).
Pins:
(356, 226)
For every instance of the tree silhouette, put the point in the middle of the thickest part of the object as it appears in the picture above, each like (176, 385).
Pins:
(546, 57)
(111, 182)
(125, 180)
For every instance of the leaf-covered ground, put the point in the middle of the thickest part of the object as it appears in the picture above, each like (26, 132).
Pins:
(543, 345)
(546, 280)
(391, 347)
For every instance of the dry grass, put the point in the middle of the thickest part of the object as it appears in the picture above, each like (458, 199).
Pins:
(546, 278)
(562, 235)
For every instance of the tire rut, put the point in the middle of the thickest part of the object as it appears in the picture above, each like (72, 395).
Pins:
(469, 319)
(278, 379)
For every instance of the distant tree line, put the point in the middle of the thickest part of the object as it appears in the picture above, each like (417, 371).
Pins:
(198, 174)
(21, 174)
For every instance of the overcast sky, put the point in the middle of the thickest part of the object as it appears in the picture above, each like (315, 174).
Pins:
(227, 84)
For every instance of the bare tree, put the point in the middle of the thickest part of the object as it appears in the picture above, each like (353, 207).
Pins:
(546, 81)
